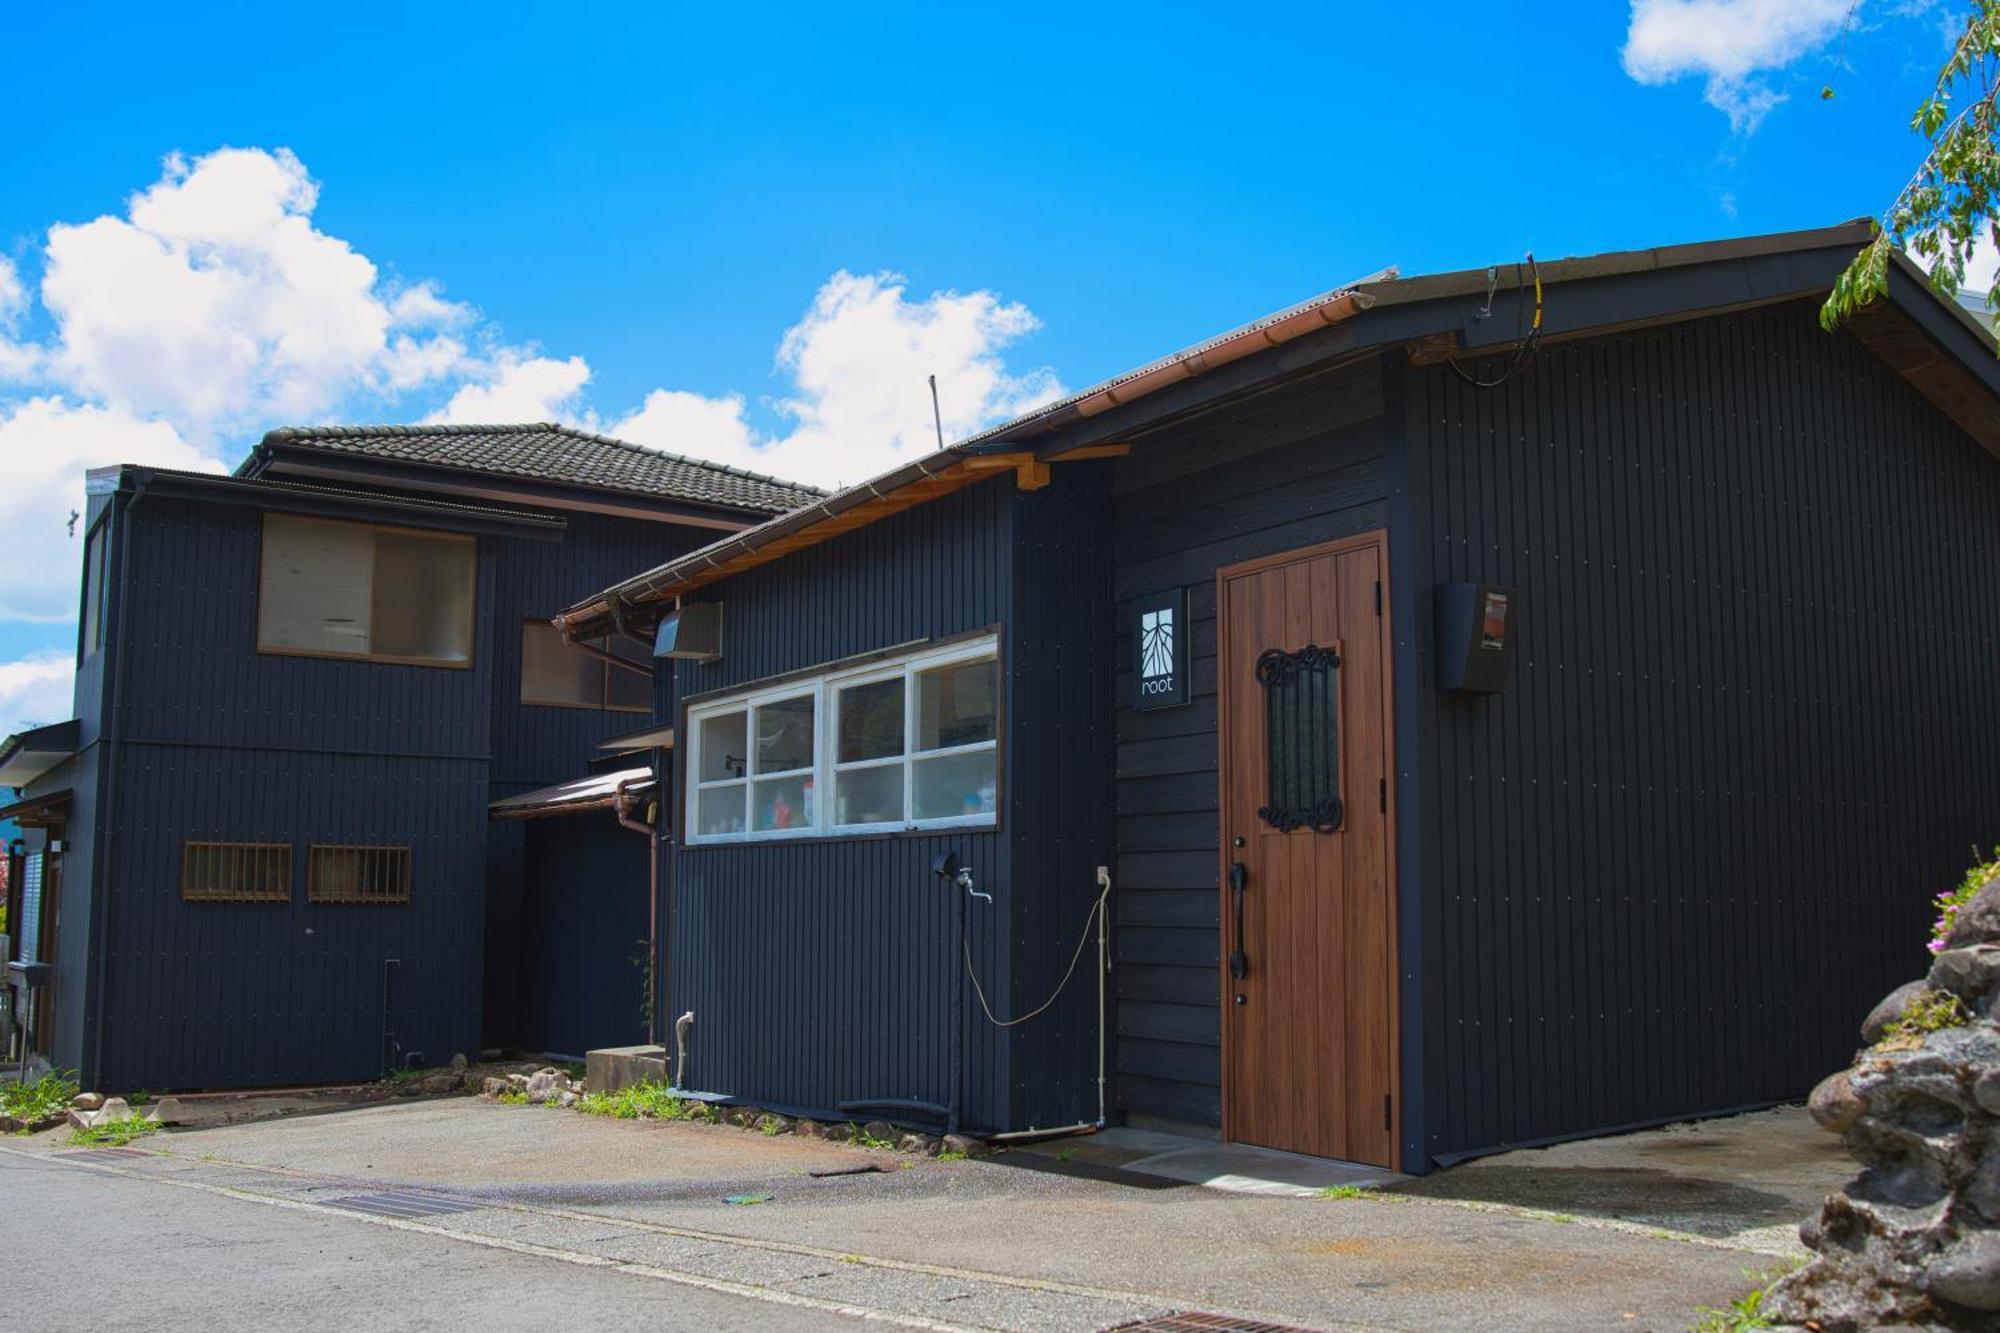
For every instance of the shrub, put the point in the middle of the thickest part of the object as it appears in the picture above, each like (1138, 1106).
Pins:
(45, 1097)
(642, 1101)
(1952, 901)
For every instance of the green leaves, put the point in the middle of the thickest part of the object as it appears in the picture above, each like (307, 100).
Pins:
(1940, 216)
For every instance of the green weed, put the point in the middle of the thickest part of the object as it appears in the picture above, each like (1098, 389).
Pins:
(46, 1096)
(1740, 1316)
(113, 1133)
(953, 1155)
(642, 1101)
(1933, 1011)
(511, 1097)
(1343, 1192)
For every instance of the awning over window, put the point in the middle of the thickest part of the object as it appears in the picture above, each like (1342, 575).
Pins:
(27, 755)
(632, 742)
(39, 811)
(599, 791)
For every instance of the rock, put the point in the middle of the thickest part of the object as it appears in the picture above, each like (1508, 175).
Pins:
(493, 1087)
(81, 1119)
(925, 1144)
(772, 1123)
(1978, 921)
(87, 1101)
(880, 1131)
(518, 1081)
(544, 1084)
(409, 1087)
(1968, 973)
(114, 1108)
(743, 1117)
(962, 1143)
(808, 1129)
(439, 1084)
(837, 1133)
(459, 1063)
(1968, 1273)
(167, 1111)
(567, 1098)
(1834, 1105)
(1886, 1014)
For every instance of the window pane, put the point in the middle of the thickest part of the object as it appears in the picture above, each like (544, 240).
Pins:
(627, 691)
(868, 795)
(957, 784)
(781, 803)
(423, 597)
(315, 591)
(719, 810)
(955, 705)
(724, 747)
(93, 592)
(785, 735)
(553, 672)
(871, 721)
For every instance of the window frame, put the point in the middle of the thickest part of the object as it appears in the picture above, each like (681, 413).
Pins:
(825, 687)
(90, 621)
(537, 624)
(280, 852)
(386, 659)
(402, 853)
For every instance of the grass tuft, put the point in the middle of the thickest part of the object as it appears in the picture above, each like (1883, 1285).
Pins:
(46, 1096)
(642, 1101)
(1343, 1192)
(113, 1133)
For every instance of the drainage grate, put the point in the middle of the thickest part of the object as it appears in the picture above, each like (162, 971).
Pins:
(102, 1154)
(397, 1204)
(1197, 1321)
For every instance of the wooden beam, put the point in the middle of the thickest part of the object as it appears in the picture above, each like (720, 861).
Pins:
(996, 462)
(1087, 451)
(1032, 475)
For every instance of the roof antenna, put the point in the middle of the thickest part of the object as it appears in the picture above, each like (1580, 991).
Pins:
(936, 415)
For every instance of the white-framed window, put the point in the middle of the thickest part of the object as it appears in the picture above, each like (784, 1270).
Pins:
(908, 743)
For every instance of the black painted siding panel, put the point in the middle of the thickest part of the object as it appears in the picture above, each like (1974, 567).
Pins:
(1748, 737)
(820, 972)
(580, 983)
(1297, 465)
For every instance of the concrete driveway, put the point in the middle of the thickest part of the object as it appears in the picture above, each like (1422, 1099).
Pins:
(1059, 1237)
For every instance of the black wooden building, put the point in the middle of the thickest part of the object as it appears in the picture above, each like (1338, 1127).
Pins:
(1509, 705)
(261, 851)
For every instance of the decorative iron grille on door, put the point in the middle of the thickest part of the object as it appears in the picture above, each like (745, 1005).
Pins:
(1302, 728)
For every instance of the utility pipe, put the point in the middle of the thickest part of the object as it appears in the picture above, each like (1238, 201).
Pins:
(1103, 972)
(622, 805)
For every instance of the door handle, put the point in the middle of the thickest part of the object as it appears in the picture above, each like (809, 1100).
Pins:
(1239, 878)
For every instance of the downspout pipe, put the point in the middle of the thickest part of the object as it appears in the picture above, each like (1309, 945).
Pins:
(622, 806)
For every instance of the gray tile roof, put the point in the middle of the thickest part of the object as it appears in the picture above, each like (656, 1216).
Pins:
(543, 451)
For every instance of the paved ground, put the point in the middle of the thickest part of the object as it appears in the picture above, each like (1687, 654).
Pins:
(591, 1213)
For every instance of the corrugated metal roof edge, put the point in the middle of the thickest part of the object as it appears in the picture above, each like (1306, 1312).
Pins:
(1384, 288)
(256, 485)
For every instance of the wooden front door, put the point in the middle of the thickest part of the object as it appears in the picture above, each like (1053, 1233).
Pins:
(1309, 1046)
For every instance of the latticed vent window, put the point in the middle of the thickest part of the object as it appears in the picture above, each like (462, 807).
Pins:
(236, 872)
(359, 875)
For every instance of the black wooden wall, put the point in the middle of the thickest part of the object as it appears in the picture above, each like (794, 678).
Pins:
(822, 972)
(1749, 734)
(582, 984)
(1294, 466)
(216, 741)
(538, 745)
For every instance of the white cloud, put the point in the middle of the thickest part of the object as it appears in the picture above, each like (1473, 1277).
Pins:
(36, 690)
(517, 387)
(216, 303)
(17, 360)
(1729, 43)
(46, 444)
(859, 362)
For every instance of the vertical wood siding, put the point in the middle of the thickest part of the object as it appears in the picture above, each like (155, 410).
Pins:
(1295, 466)
(1749, 734)
(824, 972)
(580, 981)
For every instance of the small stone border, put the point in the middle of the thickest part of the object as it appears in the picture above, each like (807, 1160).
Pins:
(550, 1086)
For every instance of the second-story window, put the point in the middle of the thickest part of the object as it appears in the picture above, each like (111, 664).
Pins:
(333, 589)
(560, 675)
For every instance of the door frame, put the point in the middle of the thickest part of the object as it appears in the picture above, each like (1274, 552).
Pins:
(1378, 538)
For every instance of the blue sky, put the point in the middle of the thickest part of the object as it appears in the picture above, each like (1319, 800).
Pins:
(748, 232)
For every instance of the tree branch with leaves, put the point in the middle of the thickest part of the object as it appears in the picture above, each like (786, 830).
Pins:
(1954, 197)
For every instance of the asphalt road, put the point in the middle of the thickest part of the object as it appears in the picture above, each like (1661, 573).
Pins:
(81, 1248)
